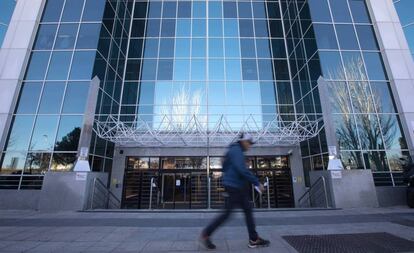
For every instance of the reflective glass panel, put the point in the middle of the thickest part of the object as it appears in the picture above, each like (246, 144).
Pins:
(45, 36)
(83, 62)
(68, 134)
(29, 98)
(19, 136)
(59, 66)
(44, 133)
(75, 97)
(66, 36)
(52, 95)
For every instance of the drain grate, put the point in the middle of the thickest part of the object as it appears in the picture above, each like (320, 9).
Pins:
(350, 243)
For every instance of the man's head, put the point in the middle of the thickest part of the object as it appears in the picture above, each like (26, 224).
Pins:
(246, 141)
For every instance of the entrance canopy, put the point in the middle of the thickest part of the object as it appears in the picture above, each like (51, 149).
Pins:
(200, 131)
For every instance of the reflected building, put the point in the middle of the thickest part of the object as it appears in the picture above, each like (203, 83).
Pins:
(180, 79)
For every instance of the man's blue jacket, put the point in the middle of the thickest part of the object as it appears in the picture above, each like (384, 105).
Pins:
(235, 171)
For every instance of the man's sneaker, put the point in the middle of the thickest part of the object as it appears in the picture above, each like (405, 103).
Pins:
(258, 243)
(206, 242)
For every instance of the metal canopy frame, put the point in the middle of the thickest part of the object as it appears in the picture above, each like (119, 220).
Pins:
(193, 131)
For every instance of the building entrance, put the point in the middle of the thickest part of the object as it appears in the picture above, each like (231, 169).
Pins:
(186, 183)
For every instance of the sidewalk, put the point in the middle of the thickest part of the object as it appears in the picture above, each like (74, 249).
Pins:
(29, 231)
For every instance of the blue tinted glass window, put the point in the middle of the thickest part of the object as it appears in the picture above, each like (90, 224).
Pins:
(199, 48)
(366, 37)
(37, 66)
(331, 65)
(184, 9)
(230, 10)
(21, 129)
(249, 69)
(281, 69)
(154, 9)
(133, 70)
(88, 36)
(146, 93)
(66, 36)
(375, 67)
(267, 90)
(44, 133)
(405, 11)
(246, 28)
(6, 10)
(259, 10)
(216, 69)
(94, 10)
(59, 66)
(29, 97)
(181, 70)
(276, 29)
(325, 36)
(340, 11)
(168, 28)
(265, 69)
(245, 9)
(235, 93)
(319, 11)
(72, 11)
(138, 28)
(231, 28)
(52, 11)
(75, 97)
(382, 96)
(140, 10)
(151, 48)
(263, 48)
(166, 48)
(232, 48)
(215, 48)
(165, 69)
(199, 28)
(214, 10)
(182, 48)
(45, 37)
(183, 28)
(215, 28)
(354, 66)
(273, 10)
(169, 9)
(52, 96)
(409, 34)
(199, 9)
(247, 48)
(233, 70)
(359, 11)
(149, 69)
(346, 36)
(82, 65)
(198, 70)
(153, 28)
(278, 48)
(68, 134)
(135, 48)
(260, 27)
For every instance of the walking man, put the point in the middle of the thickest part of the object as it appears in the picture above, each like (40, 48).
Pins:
(236, 180)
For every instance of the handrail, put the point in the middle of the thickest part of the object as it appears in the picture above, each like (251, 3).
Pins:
(310, 189)
(208, 192)
(150, 199)
(268, 192)
(108, 193)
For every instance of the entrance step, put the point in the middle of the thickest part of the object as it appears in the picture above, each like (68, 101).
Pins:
(204, 210)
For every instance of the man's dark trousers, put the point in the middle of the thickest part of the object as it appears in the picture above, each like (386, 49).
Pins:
(236, 197)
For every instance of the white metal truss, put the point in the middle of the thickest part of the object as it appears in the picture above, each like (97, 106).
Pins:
(194, 131)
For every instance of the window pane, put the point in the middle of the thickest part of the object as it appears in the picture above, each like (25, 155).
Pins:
(155, 9)
(169, 9)
(44, 133)
(247, 48)
(19, 137)
(325, 36)
(166, 48)
(374, 66)
(63, 161)
(37, 66)
(168, 28)
(366, 37)
(153, 28)
(231, 28)
(233, 70)
(37, 163)
(215, 28)
(182, 48)
(391, 130)
(151, 48)
(66, 36)
(246, 28)
(12, 163)
(215, 48)
(59, 66)
(354, 66)
(245, 9)
(181, 68)
(229, 9)
(75, 97)
(232, 48)
(149, 69)
(359, 11)
(184, 9)
(52, 11)
(340, 11)
(214, 10)
(72, 11)
(29, 98)
(82, 65)
(68, 133)
(331, 65)
(260, 27)
(216, 69)
(183, 28)
(45, 37)
(94, 10)
(138, 28)
(52, 97)
(88, 36)
(249, 69)
(319, 11)
(165, 69)
(369, 131)
(199, 28)
(382, 96)
(346, 37)
(135, 48)
(140, 10)
(199, 9)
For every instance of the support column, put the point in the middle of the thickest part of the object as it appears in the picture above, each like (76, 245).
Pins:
(14, 56)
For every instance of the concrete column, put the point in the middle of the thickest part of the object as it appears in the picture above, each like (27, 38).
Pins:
(398, 62)
(14, 56)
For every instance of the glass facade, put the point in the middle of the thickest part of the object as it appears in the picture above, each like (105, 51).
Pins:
(335, 39)
(239, 59)
(405, 12)
(6, 12)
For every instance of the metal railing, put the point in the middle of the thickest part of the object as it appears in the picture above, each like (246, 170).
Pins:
(260, 197)
(102, 197)
(313, 194)
(152, 186)
(21, 182)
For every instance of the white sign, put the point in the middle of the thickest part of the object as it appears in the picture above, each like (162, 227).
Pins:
(294, 179)
(81, 176)
(336, 174)
(178, 182)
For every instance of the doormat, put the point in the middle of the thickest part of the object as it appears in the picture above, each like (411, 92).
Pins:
(350, 243)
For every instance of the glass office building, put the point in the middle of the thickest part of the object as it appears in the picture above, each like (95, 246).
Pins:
(404, 9)
(187, 76)
(6, 11)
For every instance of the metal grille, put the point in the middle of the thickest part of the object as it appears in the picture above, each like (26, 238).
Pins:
(350, 243)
